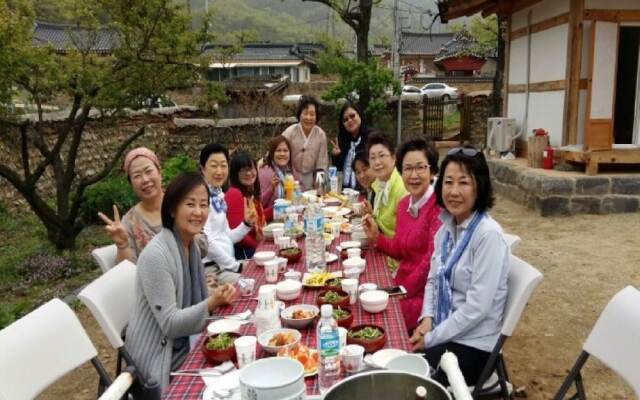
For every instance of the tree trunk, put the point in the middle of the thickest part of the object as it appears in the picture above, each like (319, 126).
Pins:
(498, 78)
(63, 239)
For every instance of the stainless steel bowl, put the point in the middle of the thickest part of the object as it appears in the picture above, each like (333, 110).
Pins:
(384, 385)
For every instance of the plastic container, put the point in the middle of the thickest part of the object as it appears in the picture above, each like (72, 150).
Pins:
(328, 349)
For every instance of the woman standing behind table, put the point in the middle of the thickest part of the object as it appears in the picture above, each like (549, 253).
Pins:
(171, 295)
(467, 285)
(142, 222)
(245, 191)
(416, 225)
(276, 166)
(308, 141)
(352, 139)
(214, 165)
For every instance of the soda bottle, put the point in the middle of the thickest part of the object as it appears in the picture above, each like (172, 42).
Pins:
(314, 239)
(288, 187)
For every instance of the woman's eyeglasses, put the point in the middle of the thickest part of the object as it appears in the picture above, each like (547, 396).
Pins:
(349, 117)
(467, 151)
(419, 169)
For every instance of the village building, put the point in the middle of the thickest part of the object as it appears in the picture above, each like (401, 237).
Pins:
(66, 37)
(461, 56)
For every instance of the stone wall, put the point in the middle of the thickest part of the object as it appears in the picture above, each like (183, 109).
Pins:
(474, 119)
(566, 193)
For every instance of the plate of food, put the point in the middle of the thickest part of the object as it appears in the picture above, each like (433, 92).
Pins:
(304, 355)
(335, 211)
(275, 339)
(317, 279)
(299, 316)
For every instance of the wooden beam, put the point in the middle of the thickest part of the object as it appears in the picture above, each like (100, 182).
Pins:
(572, 96)
(612, 15)
(467, 8)
(542, 25)
(518, 5)
(547, 86)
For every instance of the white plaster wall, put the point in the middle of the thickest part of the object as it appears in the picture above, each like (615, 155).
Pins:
(604, 70)
(303, 73)
(518, 61)
(549, 54)
(612, 4)
(539, 12)
(582, 111)
(546, 110)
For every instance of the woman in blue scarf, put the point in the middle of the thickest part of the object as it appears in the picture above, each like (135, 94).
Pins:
(466, 289)
(352, 139)
(277, 164)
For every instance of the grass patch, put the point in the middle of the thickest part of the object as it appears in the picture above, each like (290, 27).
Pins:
(451, 120)
(25, 252)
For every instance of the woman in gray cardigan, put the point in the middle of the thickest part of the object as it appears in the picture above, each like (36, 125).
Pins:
(171, 295)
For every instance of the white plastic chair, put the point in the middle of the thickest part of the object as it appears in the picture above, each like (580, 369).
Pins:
(513, 241)
(105, 257)
(40, 348)
(522, 281)
(614, 341)
(111, 298)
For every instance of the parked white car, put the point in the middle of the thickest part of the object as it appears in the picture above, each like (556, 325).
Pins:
(440, 90)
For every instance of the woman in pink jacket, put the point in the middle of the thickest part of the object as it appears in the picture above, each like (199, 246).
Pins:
(416, 225)
(276, 166)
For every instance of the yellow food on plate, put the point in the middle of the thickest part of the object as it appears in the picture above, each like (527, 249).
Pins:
(318, 278)
(281, 339)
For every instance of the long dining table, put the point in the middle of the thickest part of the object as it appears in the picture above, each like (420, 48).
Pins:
(376, 271)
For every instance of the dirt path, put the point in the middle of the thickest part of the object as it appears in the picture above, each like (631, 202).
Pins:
(585, 261)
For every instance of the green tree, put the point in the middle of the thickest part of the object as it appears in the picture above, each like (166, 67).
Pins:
(154, 50)
(355, 76)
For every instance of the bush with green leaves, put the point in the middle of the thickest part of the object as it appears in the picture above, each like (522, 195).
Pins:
(101, 197)
(174, 166)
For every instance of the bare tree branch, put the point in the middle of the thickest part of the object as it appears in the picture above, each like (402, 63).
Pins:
(24, 152)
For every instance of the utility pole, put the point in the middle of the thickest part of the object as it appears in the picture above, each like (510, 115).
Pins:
(396, 66)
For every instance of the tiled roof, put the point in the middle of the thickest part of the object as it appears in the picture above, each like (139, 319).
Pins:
(63, 37)
(423, 43)
(275, 52)
(461, 44)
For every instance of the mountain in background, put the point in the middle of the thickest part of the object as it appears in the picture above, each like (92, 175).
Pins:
(294, 20)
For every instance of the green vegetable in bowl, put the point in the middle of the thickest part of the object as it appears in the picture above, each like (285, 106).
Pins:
(339, 313)
(220, 342)
(335, 282)
(332, 296)
(367, 333)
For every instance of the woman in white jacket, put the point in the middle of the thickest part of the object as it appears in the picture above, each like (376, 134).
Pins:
(214, 165)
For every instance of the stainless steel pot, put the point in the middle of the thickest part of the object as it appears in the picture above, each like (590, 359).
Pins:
(385, 385)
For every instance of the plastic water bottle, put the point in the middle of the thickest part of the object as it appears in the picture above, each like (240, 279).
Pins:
(328, 349)
(333, 180)
(297, 193)
(314, 239)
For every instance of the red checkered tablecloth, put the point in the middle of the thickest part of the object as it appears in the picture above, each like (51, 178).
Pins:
(376, 271)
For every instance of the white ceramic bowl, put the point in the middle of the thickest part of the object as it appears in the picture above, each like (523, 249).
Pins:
(287, 313)
(224, 325)
(272, 378)
(374, 301)
(354, 262)
(288, 289)
(262, 256)
(264, 337)
(381, 357)
(411, 363)
(349, 244)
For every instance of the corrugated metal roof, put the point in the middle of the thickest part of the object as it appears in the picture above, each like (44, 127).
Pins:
(423, 43)
(64, 37)
(274, 52)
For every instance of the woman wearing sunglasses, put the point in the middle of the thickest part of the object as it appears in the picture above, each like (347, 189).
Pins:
(416, 225)
(352, 139)
(467, 285)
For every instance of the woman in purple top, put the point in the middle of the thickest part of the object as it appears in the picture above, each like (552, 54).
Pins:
(276, 166)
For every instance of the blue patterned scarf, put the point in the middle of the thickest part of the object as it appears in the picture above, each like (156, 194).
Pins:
(445, 269)
(217, 200)
(348, 175)
(280, 173)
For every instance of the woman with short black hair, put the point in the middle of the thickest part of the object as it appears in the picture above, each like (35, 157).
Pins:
(244, 191)
(172, 302)
(466, 289)
(308, 141)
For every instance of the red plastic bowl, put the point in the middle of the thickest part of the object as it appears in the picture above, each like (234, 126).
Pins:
(292, 258)
(370, 346)
(343, 302)
(333, 284)
(346, 321)
(216, 357)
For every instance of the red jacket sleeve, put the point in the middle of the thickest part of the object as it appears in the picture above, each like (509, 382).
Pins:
(391, 246)
(235, 215)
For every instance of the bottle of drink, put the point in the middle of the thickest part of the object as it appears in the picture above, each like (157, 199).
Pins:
(288, 187)
(328, 349)
(314, 239)
(333, 180)
(297, 193)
